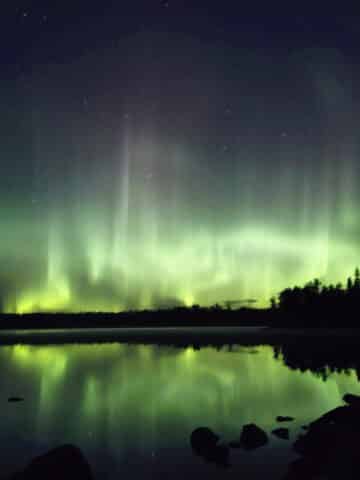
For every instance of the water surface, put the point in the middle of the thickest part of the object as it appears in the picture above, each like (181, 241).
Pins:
(132, 408)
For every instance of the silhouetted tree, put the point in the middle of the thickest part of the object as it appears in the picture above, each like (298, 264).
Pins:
(273, 304)
(321, 305)
(357, 279)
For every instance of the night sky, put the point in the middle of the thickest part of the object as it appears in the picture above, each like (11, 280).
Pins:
(156, 154)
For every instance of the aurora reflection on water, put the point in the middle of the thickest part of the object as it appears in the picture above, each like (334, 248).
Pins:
(121, 403)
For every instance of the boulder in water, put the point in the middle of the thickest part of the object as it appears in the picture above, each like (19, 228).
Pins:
(252, 437)
(203, 438)
(329, 447)
(352, 400)
(64, 462)
(204, 442)
(281, 418)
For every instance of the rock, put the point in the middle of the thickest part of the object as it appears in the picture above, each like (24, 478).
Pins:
(330, 451)
(203, 438)
(15, 399)
(309, 443)
(282, 433)
(252, 437)
(64, 462)
(279, 418)
(204, 443)
(352, 400)
(330, 446)
(340, 415)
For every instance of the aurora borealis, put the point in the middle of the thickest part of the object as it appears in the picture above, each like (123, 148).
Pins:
(171, 166)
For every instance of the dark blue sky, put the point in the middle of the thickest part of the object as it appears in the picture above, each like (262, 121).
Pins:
(32, 35)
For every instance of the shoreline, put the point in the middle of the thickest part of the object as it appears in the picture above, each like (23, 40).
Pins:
(181, 336)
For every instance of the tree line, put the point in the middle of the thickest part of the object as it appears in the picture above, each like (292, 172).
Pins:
(318, 299)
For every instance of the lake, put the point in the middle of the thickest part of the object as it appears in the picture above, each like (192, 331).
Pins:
(131, 407)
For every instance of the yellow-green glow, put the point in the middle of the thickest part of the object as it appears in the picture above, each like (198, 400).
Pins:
(53, 299)
(245, 265)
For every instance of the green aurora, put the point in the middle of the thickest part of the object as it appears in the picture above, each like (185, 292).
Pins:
(188, 180)
(166, 276)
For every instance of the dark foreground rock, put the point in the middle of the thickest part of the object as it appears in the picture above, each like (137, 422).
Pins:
(252, 437)
(62, 463)
(346, 415)
(203, 438)
(282, 433)
(330, 447)
(280, 418)
(204, 443)
(352, 400)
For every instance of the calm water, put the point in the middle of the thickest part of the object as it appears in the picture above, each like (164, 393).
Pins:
(132, 408)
